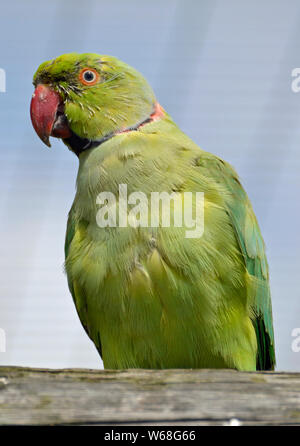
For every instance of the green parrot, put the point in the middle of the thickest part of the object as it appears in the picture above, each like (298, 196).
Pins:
(149, 296)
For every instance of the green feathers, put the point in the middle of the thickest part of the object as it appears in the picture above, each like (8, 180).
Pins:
(148, 296)
(253, 250)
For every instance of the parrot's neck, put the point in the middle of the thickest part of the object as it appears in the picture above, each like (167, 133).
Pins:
(79, 145)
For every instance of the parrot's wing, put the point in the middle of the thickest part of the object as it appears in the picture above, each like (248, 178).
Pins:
(74, 287)
(253, 249)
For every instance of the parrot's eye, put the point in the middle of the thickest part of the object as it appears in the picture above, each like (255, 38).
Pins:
(89, 76)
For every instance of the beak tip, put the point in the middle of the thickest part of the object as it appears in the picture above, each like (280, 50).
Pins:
(46, 141)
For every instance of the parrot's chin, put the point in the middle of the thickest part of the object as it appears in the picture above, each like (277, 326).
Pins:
(47, 114)
(60, 128)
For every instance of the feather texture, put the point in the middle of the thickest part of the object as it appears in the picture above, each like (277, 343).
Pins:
(154, 298)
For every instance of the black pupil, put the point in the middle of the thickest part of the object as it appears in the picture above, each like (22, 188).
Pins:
(89, 76)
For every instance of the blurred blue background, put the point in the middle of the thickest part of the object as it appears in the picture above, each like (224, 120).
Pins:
(221, 69)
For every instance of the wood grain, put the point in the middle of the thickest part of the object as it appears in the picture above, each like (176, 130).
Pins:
(157, 397)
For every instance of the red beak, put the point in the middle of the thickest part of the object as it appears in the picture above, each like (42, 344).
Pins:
(46, 114)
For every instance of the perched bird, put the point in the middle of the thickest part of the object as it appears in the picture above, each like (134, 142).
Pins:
(149, 296)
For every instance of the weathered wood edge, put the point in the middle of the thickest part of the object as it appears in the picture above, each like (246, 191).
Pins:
(166, 397)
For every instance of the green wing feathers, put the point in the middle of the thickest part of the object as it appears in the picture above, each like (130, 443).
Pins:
(253, 249)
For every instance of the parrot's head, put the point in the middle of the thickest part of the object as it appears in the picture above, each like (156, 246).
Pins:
(86, 98)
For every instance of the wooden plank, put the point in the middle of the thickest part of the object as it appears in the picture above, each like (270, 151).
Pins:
(169, 397)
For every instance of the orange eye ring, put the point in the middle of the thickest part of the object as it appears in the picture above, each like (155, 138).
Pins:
(89, 76)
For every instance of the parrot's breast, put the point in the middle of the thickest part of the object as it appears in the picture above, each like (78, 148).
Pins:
(150, 297)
